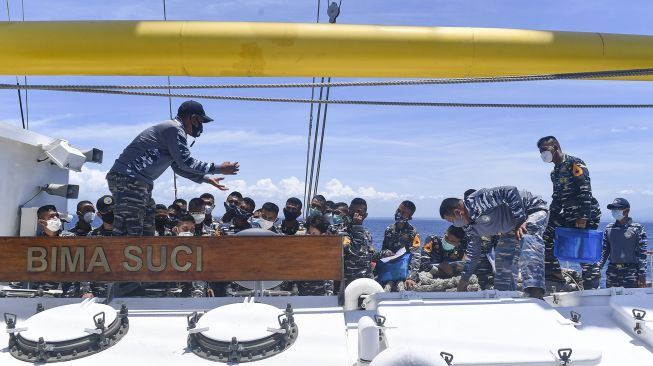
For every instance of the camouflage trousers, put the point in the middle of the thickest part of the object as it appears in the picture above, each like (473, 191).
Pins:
(622, 275)
(525, 256)
(591, 273)
(134, 207)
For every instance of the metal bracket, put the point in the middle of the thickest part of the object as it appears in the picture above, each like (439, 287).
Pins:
(10, 320)
(235, 350)
(333, 11)
(447, 357)
(565, 355)
(575, 317)
(39, 308)
(192, 319)
(379, 320)
(639, 314)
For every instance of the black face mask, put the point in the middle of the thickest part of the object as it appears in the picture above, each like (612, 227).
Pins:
(160, 221)
(196, 131)
(170, 222)
(238, 212)
(108, 217)
(290, 215)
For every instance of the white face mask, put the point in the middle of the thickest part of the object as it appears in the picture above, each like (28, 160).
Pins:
(209, 209)
(199, 218)
(618, 214)
(547, 156)
(53, 224)
(265, 224)
(89, 217)
(185, 233)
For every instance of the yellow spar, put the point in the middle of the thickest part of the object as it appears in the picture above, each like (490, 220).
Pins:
(295, 49)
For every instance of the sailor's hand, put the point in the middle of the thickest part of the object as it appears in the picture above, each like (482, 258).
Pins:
(410, 284)
(357, 219)
(88, 295)
(462, 285)
(215, 181)
(229, 168)
(210, 292)
(520, 231)
(445, 267)
(581, 223)
(641, 282)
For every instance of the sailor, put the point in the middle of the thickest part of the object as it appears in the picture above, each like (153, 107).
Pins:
(209, 203)
(402, 234)
(197, 209)
(105, 213)
(316, 225)
(340, 219)
(267, 219)
(160, 220)
(624, 246)
(161, 146)
(293, 209)
(317, 206)
(49, 225)
(234, 199)
(572, 206)
(182, 204)
(446, 249)
(85, 216)
(520, 218)
(357, 244)
(240, 215)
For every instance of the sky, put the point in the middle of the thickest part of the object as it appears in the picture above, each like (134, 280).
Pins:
(383, 154)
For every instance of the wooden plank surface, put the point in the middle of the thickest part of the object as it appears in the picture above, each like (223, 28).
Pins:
(224, 258)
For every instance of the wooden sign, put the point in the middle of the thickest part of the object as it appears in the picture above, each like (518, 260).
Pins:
(224, 258)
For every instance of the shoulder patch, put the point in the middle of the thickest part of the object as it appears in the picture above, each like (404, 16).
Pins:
(417, 241)
(428, 247)
(578, 169)
(346, 241)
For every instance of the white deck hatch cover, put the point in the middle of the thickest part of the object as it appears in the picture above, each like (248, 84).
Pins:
(487, 332)
(625, 308)
(247, 321)
(66, 322)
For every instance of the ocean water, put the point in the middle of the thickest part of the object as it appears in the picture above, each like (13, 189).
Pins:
(427, 227)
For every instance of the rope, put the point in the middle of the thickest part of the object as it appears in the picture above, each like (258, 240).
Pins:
(307, 193)
(319, 158)
(358, 102)
(174, 175)
(20, 96)
(406, 82)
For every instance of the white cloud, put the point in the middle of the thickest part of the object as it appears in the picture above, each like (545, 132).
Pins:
(627, 192)
(93, 185)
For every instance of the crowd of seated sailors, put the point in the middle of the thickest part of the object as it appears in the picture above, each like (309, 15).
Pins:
(441, 256)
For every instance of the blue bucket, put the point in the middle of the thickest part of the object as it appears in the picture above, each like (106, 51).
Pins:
(396, 269)
(578, 245)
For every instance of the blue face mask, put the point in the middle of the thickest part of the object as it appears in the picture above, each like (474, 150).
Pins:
(337, 219)
(447, 246)
(312, 212)
(458, 221)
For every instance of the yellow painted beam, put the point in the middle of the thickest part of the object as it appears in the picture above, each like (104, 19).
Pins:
(294, 49)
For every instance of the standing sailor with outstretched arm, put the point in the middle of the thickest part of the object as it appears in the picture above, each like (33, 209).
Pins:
(154, 150)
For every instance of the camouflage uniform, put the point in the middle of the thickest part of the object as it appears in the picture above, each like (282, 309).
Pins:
(357, 254)
(79, 231)
(433, 253)
(288, 230)
(572, 199)
(498, 211)
(134, 207)
(407, 237)
(625, 247)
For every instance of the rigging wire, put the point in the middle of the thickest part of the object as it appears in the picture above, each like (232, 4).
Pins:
(319, 159)
(20, 97)
(22, 10)
(310, 128)
(348, 101)
(368, 83)
(317, 131)
(174, 175)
